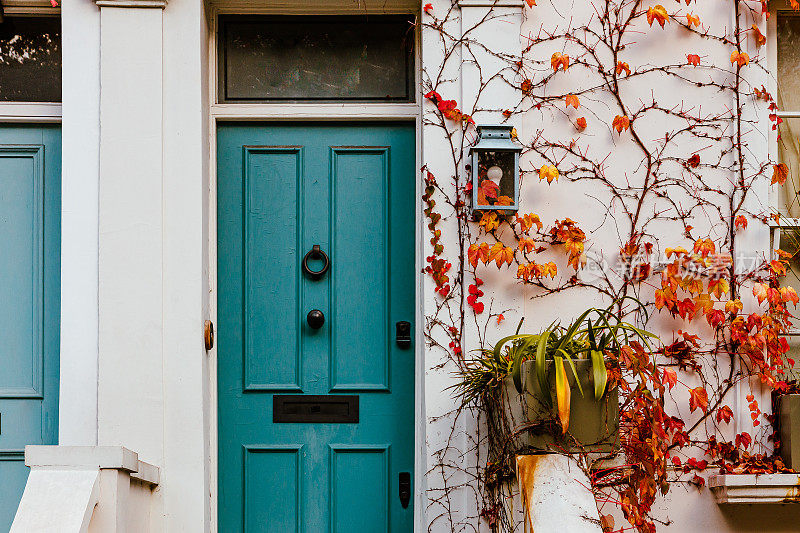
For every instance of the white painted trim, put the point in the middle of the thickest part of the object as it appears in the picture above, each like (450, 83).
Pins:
(160, 4)
(307, 111)
(35, 112)
(100, 457)
(754, 488)
(490, 3)
(322, 112)
(314, 7)
(30, 8)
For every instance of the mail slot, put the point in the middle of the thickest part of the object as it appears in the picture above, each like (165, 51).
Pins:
(322, 409)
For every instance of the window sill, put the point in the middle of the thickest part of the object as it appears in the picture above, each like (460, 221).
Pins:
(755, 488)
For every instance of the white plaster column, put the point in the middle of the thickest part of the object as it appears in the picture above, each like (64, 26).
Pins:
(130, 296)
(187, 443)
(80, 21)
(556, 495)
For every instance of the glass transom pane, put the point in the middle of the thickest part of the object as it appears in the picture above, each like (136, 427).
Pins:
(30, 59)
(788, 26)
(365, 58)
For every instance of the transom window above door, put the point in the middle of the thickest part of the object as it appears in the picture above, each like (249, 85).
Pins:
(366, 58)
(30, 59)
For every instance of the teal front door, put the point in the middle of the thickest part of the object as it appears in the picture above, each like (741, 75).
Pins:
(316, 365)
(30, 251)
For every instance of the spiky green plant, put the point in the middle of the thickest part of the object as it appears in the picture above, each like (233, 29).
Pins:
(595, 333)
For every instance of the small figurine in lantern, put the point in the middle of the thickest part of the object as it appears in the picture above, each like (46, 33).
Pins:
(495, 170)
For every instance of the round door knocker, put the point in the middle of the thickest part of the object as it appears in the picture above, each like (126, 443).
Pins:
(316, 253)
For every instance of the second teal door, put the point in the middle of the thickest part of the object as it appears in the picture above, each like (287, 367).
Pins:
(30, 268)
(316, 371)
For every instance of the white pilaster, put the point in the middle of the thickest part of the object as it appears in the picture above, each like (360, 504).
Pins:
(130, 296)
(80, 22)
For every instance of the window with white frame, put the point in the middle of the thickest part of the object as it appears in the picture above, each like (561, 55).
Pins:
(786, 198)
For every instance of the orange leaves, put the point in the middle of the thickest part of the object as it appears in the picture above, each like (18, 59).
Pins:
(498, 253)
(755, 412)
(664, 297)
(526, 245)
(477, 252)
(780, 173)
(428, 9)
(572, 100)
(559, 60)
(725, 414)
(760, 292)
(657, 13)
(740, 58)
(526, 86)
(703, 301)
(733, 306)
(580, 123)
(788, 294)
(529, 220)
(530, 3)
(762, 94)
(670, 377)
(535, 271)
(680, 250)
(761, 40)
(572, 237)
(698, 397)
(489, 221)
(693, 59)
(740, 222)
(704, 247)
(620, 123)
(623, 67)
(692, 20)
(549, 173)
(718, 287)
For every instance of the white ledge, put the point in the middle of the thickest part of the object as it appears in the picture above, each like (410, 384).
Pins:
(87, 457)
(159, 4)
(755, 488)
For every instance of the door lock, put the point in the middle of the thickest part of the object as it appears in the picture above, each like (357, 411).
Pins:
(403, 334)
(405, 489)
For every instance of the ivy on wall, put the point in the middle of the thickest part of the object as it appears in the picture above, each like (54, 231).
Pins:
(662, 142)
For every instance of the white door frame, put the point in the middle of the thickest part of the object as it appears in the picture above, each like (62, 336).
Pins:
(264, 112)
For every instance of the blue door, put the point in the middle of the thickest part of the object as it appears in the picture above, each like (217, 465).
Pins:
(30, 251)
(315, 314)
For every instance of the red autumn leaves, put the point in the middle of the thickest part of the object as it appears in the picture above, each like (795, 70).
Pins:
(449, 108)
(474, 294)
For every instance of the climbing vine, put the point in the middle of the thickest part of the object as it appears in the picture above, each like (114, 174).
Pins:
(644, 170)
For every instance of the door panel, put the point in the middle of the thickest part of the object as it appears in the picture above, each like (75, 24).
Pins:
(30, 222)
(281, 190)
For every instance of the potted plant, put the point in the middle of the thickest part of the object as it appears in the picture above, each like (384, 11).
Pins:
(557, 382)
(786, 406)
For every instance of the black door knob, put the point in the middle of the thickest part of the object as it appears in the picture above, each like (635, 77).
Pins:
(315, 319)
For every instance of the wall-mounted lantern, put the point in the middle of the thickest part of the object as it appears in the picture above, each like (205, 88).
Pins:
(495, 169)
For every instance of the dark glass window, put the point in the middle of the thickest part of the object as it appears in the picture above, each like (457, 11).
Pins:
(290, 58)
(30, 59)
